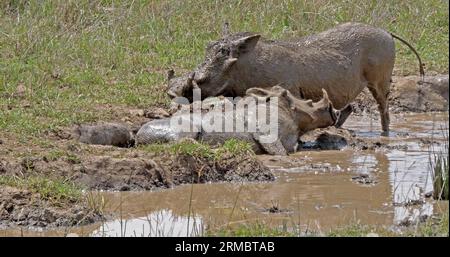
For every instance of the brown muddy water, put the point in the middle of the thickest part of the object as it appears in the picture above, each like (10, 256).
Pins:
(313, 191)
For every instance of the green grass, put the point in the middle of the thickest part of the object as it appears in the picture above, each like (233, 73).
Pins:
(74, 56)
(196, 149)
(257, 229)
(55, 154)
(439, 163)
(232, 147)
(435, 226)
(56, 191)
(236, 147)
(440, 176)
(357, 230)
(184, 147)
(432, 227)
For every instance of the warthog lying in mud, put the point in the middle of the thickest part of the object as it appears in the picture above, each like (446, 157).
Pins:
(343, 60)
(295, 117)
(104, 134)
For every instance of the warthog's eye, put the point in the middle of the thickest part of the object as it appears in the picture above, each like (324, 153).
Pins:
(202, 80)
(225, 51)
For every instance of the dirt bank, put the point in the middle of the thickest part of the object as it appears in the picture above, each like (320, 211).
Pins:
(113, 168)
(410, 94)
(110, 168)
(25, 208)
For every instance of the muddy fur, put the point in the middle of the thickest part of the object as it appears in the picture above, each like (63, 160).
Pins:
(333, 138)
(295, 117)
(343, 60)
(104, 134)
(20, 207)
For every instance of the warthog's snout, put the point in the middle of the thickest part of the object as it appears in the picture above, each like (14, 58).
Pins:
(172, 94)
(180, 86)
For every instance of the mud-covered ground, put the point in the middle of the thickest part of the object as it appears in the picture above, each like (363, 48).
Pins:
(94, 167)
(410, 94)
(122, 169)
(25, 208)
(111, 168)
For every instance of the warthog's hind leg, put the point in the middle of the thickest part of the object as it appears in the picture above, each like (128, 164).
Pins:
(380, 92)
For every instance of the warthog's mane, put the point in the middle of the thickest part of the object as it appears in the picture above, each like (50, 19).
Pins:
(227, 40)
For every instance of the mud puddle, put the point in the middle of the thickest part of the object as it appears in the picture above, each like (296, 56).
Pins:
(313, 191)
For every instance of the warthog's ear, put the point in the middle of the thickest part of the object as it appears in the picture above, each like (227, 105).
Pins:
(309, 102)
(245, 44)
(257, 92)
(325, 96)
(170, 74)
(226, 29)
(278, 88)
(286, 95)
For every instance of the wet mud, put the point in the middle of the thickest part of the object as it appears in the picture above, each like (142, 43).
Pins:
(23, 208)
(338, 176)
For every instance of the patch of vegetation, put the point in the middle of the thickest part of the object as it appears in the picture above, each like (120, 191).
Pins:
(439, 162)
(185, 147)
(55, 154)
(355, 230)
(440, 177)
(197, 149)
(434, 226)
(56, 191)
(96, 202)
(60, 56)
(236, 147)
(257, 229)
(193, 148)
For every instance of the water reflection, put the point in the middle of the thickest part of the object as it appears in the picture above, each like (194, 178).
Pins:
(161, 223)
(365, 163)
(315, 188)
(404, 215)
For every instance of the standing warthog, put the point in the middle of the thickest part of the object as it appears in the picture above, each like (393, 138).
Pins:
(343, 60)
(294, 118)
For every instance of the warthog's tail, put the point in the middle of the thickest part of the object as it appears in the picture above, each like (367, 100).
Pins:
(421, 70)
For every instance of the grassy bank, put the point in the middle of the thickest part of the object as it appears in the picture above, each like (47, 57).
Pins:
(435, 226)
(63, 62)
(231, 147)
(56, 191)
